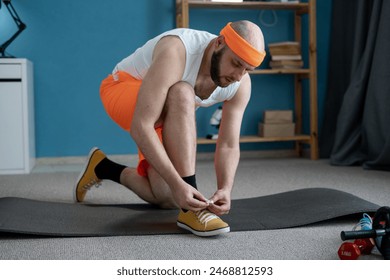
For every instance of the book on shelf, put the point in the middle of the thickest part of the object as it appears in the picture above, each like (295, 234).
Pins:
(297, 57)
(289, 64)
(284, 48)
(285, 55)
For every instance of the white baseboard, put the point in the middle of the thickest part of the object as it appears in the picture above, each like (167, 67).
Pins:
(132, 159)
(123, 159)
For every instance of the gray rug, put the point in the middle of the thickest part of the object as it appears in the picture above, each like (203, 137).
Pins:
(283, 210)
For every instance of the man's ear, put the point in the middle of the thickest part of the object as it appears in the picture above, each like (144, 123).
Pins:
(220, 42)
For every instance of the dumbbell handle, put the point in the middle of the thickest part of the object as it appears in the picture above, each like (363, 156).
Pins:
(356, 234)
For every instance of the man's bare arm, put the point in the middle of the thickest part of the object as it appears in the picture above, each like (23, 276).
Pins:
(228, 150)
(167, 69)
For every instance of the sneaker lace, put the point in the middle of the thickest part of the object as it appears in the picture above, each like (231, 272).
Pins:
(204, 216)
(93, 183)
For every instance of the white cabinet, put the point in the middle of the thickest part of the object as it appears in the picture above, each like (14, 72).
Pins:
(17, 131)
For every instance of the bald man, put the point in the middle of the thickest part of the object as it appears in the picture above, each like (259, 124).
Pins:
(153, 94)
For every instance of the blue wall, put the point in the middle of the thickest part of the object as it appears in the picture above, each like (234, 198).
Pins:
(75, 44)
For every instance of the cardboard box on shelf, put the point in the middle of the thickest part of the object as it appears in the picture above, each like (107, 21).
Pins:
(276, 129)
(278, 116)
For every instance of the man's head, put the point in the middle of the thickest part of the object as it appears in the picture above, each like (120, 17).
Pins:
(239, 48)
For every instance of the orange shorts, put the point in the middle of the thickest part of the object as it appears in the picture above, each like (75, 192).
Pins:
(119, 97)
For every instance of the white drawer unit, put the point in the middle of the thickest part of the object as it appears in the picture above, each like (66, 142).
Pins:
(17, 130)
(10, 71)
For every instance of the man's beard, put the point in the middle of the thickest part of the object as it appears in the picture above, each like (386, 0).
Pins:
(215, 68)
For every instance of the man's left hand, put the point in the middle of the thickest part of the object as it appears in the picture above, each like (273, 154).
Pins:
(220, 202)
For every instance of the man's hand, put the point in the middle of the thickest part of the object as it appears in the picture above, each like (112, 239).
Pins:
(220, 202)
(189, 198)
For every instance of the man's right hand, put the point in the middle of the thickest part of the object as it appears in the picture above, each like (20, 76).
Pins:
(189, 198)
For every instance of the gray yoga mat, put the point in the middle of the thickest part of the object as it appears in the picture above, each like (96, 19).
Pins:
(277, 211)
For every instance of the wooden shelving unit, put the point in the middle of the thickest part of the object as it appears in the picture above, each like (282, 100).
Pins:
(256, 139)
(310, 73)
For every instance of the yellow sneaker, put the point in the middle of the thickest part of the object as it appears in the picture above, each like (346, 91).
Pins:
(88, 178)
(202, 223)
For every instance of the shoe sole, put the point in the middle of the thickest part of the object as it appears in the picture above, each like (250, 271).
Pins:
(204, 233)
(82, 173)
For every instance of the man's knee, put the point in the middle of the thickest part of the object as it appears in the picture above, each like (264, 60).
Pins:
(181, 96)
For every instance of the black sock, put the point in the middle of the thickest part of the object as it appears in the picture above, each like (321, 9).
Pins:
(191, 180)
(107, 169)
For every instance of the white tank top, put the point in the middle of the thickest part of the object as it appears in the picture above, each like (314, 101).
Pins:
(195, 42)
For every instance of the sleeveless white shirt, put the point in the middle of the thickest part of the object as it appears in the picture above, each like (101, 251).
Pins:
(195, 43)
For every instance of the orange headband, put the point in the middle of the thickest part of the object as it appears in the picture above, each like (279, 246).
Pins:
(241, 47)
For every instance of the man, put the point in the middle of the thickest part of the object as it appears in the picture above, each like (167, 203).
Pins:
(154, 93)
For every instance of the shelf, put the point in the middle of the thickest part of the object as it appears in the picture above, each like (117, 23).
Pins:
(300, 7)
(280, 71)
(257, 139)
(299, 10)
